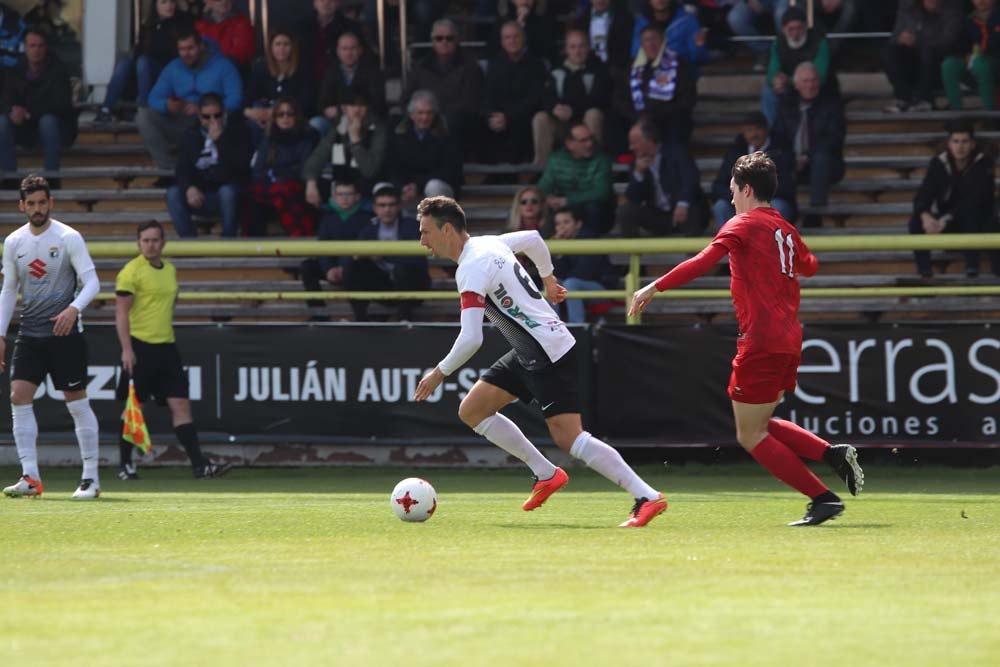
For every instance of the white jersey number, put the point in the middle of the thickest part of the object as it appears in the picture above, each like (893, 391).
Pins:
(782, 241)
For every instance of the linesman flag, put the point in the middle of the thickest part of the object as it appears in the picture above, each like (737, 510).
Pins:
(134, 429)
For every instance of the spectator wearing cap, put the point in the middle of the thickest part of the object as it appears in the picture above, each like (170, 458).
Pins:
(755, 136)
(579, 176)
(36, 105)
(276, 170)
(405, 273)
(579, 90)
(353, 69)
(212, 169)
(197, 70)
(357, 143)
(455, 78)
(796, 43)
(812, 126)
(231, 30)
(320, 32)
(514, 92)
(925, 32)
(426, 157)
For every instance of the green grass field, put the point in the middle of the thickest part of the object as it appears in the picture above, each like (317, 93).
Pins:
(310, 567)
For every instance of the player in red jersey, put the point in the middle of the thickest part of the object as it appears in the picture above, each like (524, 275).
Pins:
(766, 257)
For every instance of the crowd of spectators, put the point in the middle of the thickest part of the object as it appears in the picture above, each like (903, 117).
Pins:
(302, 133)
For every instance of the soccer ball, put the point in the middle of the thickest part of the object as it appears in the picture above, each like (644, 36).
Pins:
(413, 499)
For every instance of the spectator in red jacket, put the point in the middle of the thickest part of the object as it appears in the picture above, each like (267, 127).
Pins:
(230, 30)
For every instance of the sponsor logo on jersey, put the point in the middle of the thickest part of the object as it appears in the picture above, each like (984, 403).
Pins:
(506, 302)
(37, 268)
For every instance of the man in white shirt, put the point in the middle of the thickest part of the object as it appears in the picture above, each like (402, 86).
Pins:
(541, 365)
(45, 259)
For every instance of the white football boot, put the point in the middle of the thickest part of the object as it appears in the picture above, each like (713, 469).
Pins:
(26, 486)
(88, 490)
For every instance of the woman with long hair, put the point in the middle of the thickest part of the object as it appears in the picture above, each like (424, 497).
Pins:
(156, 46)
(276, 74)
(277, 186)
(528, 211)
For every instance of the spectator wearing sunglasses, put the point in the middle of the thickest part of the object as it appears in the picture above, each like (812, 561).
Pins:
(211, 169)
(277, 186)
(456, 80)
(529, 212)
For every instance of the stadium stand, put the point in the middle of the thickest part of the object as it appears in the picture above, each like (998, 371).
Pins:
(109, 184)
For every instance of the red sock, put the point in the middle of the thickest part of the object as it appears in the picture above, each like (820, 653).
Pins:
(797, 439)
(786, 466)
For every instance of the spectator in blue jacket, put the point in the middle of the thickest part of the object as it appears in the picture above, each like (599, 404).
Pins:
(404, 273)
(199, 69)
(684, 34)
(11, 33)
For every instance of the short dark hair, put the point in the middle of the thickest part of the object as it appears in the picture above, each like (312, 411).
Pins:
(652, 27)
(960, 126)
(34, 183)
(186, 32)
(756, 119)
(444, 210)
(36, 30)
(567, 209)
(758, 171)
(211, 99)
(648, 129)
(150, 224)
(385, 189)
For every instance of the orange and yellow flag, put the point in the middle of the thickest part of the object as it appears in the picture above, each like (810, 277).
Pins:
(135, 430)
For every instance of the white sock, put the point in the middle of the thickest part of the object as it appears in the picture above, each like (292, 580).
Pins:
(605, 459)
(86, 435)
(505, 434)
(26, 438)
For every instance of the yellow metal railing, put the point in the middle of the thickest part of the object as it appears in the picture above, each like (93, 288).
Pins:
(634, 248)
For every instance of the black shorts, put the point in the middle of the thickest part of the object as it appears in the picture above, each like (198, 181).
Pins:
(553, 388)
(158, 373)
(62, 357)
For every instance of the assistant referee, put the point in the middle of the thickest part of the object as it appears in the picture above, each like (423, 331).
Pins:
(146, 290)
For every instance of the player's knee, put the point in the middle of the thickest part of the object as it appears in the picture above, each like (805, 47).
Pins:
(470, 414)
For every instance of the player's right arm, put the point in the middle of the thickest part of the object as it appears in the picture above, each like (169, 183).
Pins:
(124, 299)
(469, 340)
(683, 273)
(8, 299)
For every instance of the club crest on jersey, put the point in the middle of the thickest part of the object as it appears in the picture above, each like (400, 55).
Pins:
(499, 261)
(54, 252)
(507, 303)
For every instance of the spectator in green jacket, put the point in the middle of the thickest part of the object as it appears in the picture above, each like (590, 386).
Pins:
(797, 43)
(979, 56)
(580, 176)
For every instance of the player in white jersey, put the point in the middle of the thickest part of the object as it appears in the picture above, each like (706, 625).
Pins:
(541, 365)
(45, 259)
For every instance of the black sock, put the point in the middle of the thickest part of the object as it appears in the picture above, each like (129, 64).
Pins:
(124, 448)
(827, 497)
(187, 435)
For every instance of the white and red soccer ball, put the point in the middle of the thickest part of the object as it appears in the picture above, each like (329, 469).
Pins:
(413, 499)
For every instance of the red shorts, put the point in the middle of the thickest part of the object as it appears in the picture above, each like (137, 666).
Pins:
(759, 377)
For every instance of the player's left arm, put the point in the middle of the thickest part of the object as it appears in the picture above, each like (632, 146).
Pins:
(469, 340)
(806, 264)
(532, 245)
(90, 286)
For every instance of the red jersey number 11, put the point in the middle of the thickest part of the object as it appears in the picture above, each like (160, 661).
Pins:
(782, 241)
